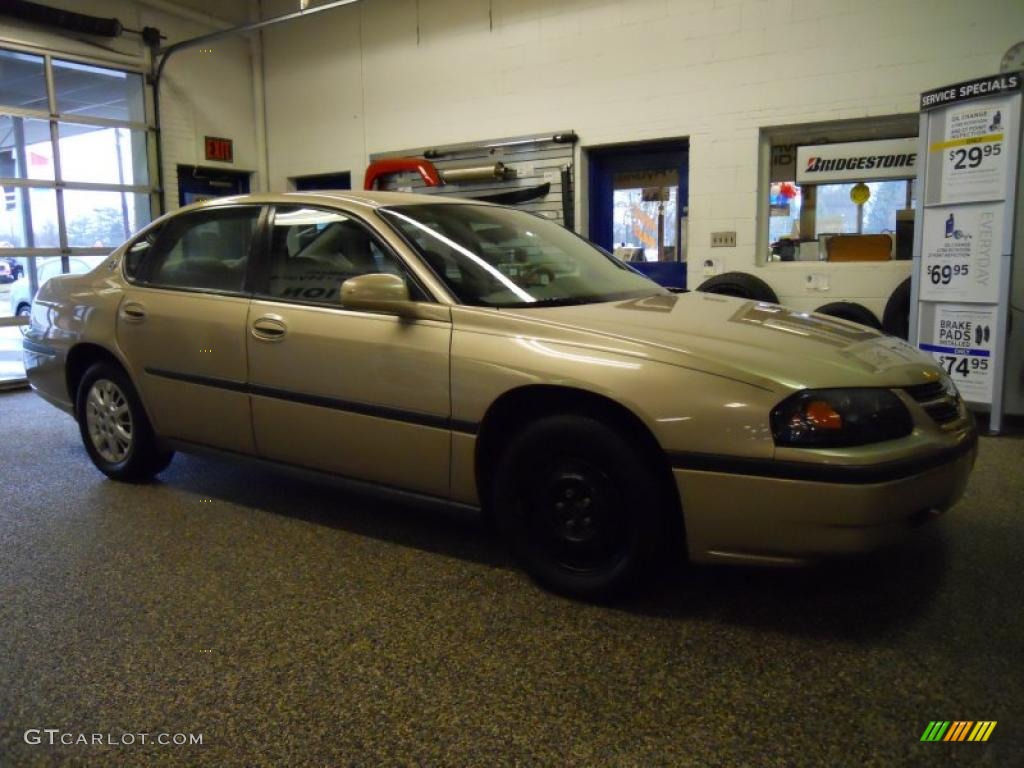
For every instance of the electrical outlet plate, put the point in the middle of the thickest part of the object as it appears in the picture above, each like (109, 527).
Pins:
(723, 239)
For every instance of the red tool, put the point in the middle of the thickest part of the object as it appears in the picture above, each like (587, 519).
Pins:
(424, 168)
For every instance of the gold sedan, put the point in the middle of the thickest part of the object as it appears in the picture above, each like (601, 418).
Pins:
(491, 358)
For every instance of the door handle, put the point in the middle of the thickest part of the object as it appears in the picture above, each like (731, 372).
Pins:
(269, 328)
(133, 312)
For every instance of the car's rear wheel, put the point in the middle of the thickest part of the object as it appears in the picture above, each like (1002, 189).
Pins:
(114, 426)
(24, 310)
(579, 506)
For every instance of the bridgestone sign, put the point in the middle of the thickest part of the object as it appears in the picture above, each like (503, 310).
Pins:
(857, 161)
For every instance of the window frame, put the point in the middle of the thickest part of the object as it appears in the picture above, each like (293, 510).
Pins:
(891, 126)
(260, 271)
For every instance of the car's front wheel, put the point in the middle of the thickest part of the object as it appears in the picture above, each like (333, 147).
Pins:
(114, 426)
(579, 505)
(24, 310)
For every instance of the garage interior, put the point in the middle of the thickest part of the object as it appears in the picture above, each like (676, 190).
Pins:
(293, 619)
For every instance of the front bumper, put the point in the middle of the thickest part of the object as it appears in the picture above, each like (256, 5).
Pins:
(759, 519)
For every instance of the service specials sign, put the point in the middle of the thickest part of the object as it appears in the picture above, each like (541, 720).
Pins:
(971, 134)
(960, 253)
(963, 344)
(857, 161)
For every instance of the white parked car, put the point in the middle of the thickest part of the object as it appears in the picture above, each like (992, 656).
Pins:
(48, 266)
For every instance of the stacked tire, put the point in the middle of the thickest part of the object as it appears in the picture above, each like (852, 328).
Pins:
(895, 321)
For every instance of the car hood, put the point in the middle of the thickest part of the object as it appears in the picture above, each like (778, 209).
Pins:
(763, 344)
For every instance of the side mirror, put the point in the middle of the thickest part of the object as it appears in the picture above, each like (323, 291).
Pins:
(377, 292)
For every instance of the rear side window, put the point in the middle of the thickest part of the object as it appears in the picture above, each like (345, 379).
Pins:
(204, 250)
(136, 255)
(313, 251)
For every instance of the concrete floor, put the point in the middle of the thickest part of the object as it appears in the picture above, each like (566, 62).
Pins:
(292, 623)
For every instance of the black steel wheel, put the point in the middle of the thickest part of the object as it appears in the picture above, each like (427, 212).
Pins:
(579, 506)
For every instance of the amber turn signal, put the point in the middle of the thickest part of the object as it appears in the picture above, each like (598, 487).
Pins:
(823, 415)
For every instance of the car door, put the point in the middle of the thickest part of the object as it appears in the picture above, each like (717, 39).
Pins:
(362, 394)
(182, 323)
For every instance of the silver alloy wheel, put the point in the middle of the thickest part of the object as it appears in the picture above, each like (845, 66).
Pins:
(109, 421)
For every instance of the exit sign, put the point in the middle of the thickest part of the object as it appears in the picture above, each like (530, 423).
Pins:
(221, 150)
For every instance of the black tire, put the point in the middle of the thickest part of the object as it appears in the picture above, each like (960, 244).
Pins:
(579, 506)
(896, 319)
(24, 310)
(740, 284)
(138, 457)
(848, 310)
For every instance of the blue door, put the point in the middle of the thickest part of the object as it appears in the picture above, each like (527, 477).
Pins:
(196, 184)
(638, 197)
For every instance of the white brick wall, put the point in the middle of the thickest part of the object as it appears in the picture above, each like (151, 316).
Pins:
(715, 71)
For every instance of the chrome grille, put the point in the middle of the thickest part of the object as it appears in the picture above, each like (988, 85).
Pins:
(938, 402)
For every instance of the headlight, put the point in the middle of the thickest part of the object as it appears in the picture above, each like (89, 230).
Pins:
(829, 418)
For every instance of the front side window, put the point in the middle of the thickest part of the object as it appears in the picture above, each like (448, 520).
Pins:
(497, 257)
(203, 250)
(313, 251)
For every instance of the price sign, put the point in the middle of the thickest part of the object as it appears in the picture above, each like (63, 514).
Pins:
(969, 159)
(963, 344)
(973, 152)
(966, 201)
(960, 253)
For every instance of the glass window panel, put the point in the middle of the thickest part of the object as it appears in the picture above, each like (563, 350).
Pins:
(887, 197)
(83, 264)
(103, 219)
(102, 155)
(837, 213)
(25, 148)
(140, 250)
(98, 92)
(12, 366)
(22, 81)
(28, 218)
(635, 214)
(312, 252)
(784, 203)
(205, 250)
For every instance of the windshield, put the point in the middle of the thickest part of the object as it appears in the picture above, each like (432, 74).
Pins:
(496, 257)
